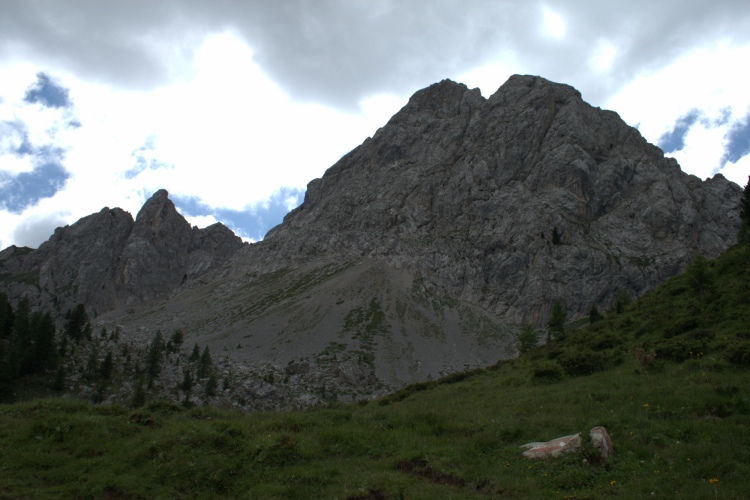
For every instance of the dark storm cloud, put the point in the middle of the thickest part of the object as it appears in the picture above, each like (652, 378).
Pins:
(47, 92)
(253, 222)
(738, 141)
(675, 140)
(338, 51)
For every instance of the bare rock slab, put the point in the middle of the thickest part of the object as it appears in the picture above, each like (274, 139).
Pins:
(569, 444)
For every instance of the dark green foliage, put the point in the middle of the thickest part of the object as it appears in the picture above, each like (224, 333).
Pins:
(583, 362)
(211, 385)
(195, 354)
(92, 363)
(699, 275)
(75, 327)
(107, 366)
(58, 385)
(527, 339)
(204, 364)
(154, 358)
(187, 381)
(744, 234)
(594, 314)
(739, 353)
(176, 340)
(622, 301)
(43, 334)
(139, 394)
(547, 372)
(557, 320)
(6, 317)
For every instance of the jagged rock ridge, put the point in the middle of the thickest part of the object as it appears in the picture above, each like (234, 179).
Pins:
(108, 261)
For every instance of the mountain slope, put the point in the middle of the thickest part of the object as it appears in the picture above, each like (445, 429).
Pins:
(679, 423)
(415, 255)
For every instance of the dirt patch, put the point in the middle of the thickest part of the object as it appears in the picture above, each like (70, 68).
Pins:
(419, 468)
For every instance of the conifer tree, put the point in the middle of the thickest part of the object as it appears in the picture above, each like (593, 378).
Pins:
(527, 338)
(557, 320)
(744, 235)
(107, 366)
(594, 314)
(77, 321)
(204, 365)
(196, 354)
(139, 395)
(154, 358)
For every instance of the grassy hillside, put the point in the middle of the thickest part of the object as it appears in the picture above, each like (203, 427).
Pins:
(668, 376)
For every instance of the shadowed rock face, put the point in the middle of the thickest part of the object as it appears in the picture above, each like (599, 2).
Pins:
(467, 193)
(106, 260)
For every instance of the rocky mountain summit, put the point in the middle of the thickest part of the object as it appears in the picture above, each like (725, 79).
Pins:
(108, 261)
(416, 255)
(511, 202)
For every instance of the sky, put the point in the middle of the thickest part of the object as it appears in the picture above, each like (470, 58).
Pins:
(233, 106)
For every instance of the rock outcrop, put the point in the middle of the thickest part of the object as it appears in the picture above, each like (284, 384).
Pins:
(107, 260)
(599, 439)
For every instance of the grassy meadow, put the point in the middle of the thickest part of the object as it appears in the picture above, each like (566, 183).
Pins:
(668, 375)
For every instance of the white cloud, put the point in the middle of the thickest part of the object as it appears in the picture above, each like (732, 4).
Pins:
(554, 23)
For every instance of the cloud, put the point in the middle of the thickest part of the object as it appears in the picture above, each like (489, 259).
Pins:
(675, 140)
(33, 231)
(338, 52)
(48, 93)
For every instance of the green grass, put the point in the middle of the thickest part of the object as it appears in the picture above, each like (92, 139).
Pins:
(680, 423)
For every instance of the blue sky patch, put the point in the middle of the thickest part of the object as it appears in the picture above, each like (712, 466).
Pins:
(27, 188)
(738, 141)
(673, 141)
(47, 92)
(253, 222)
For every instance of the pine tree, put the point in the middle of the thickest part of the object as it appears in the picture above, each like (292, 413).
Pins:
(744, 235)
(204, 365)
(6, 317)
(527, 338)
(594, 314)
(154, 358)
(43, 333)
(77, 321)
(557, 320)
(196, 354)
(107, 366)
(22, 341)
(139, 395)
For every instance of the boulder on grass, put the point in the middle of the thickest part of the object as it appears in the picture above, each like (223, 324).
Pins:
(568, 444)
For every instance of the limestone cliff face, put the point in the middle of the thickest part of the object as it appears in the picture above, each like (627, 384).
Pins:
(511, 202)
(107, 260)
